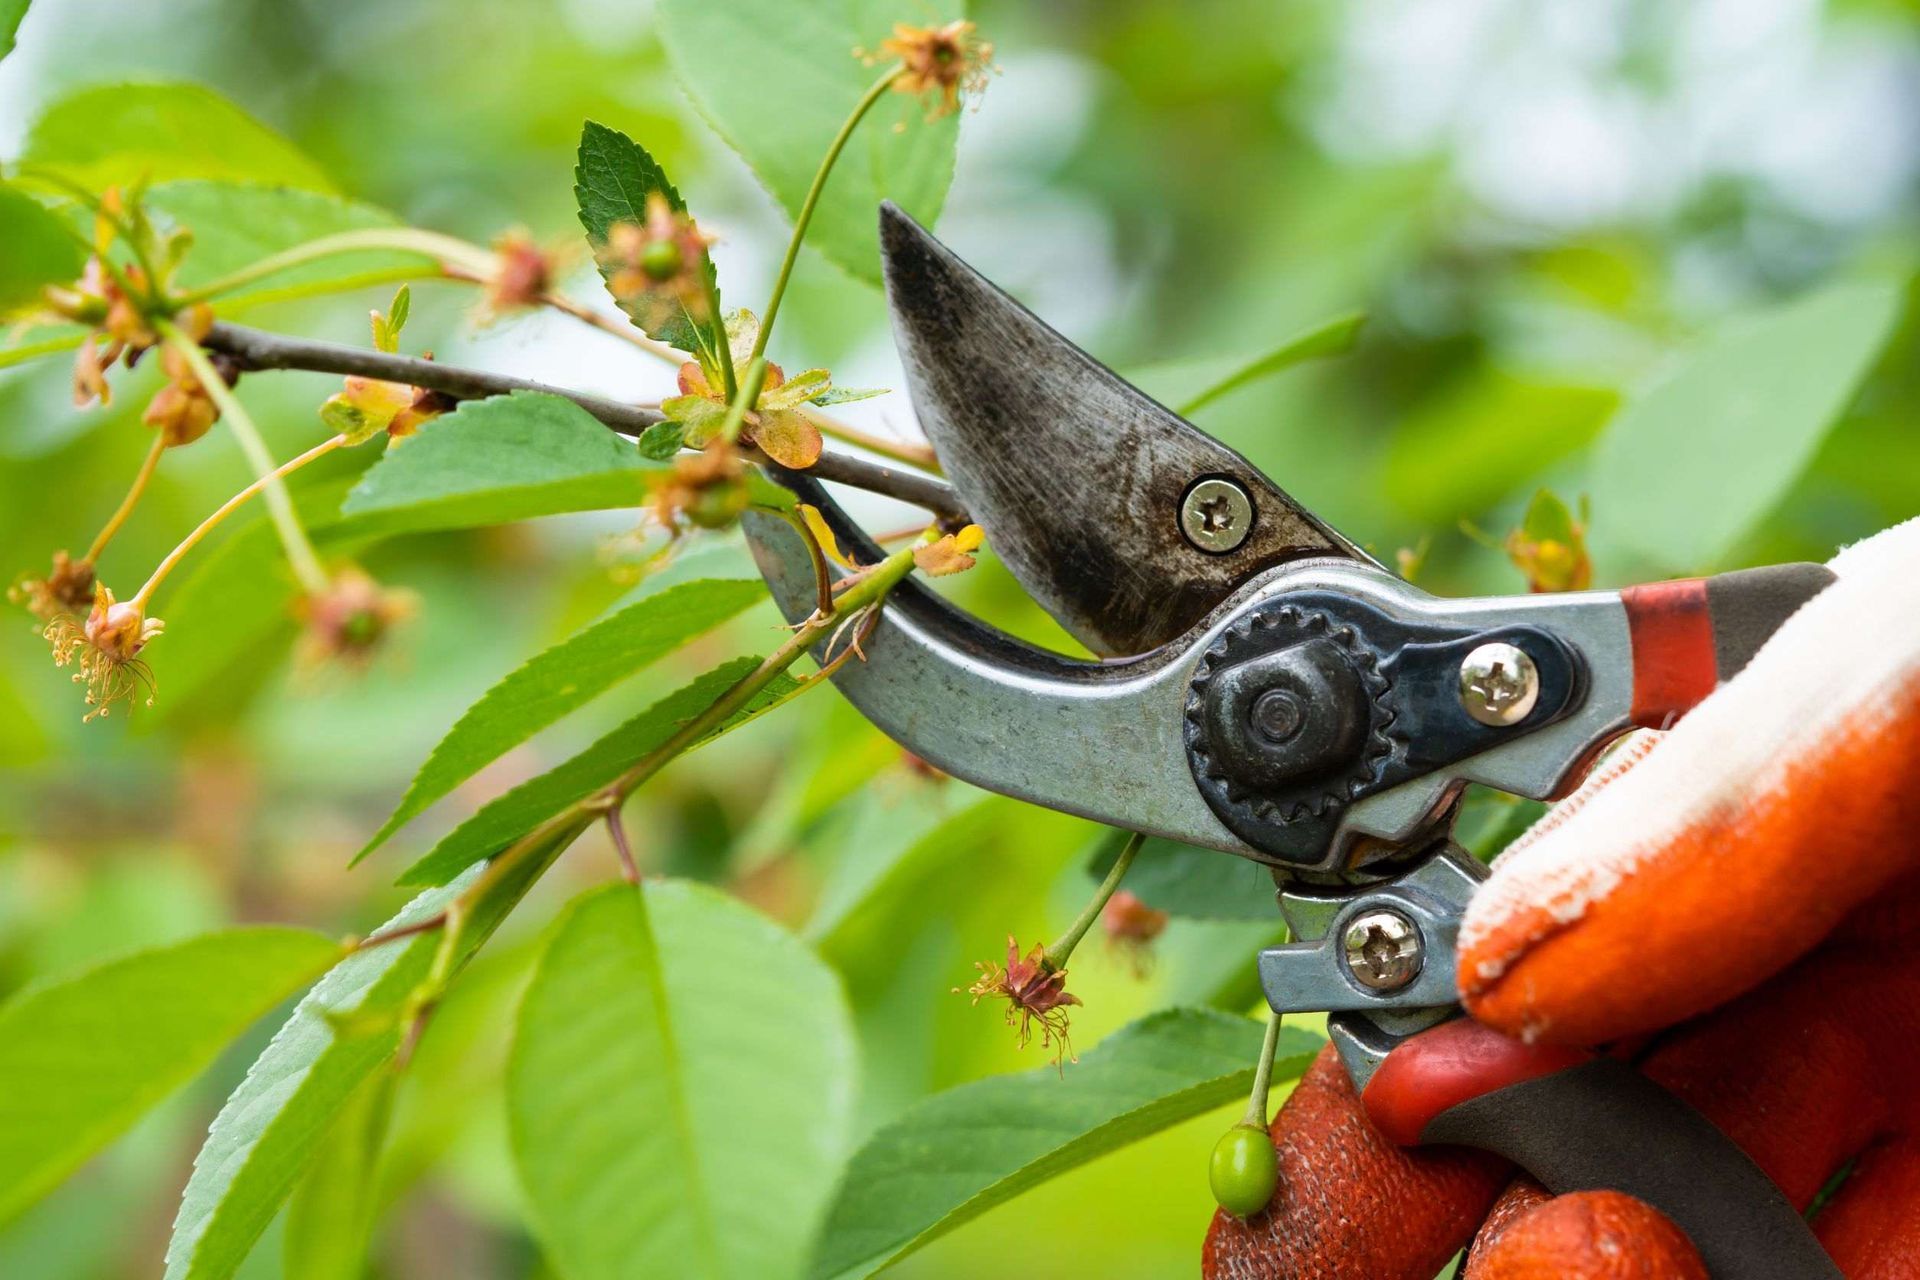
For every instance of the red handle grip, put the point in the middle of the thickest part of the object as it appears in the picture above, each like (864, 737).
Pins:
(1692, 634)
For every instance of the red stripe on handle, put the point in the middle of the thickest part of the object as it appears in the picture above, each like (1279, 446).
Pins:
(1673, 655)
(1453, 1063)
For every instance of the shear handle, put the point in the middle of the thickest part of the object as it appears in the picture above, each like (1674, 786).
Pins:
(1581, 1122)
(1693, 634)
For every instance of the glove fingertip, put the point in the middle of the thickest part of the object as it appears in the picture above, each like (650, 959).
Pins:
(1589, 1235)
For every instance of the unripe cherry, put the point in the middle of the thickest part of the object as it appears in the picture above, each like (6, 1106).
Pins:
(1244, 1170)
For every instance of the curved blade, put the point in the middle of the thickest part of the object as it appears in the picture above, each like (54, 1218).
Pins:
(1077, 476)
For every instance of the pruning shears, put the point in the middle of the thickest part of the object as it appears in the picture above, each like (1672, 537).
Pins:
(1269, 690)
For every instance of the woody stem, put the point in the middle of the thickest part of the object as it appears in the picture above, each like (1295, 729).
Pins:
(805, 215)
(261, 349)
(1057, 954)
(127, 504)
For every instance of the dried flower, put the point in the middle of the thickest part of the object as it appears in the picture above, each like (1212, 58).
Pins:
(347, 622)
(108, 645)
(1550, 546)
(950, 553)
(1036, 995)
(369, 406)
(523, 274)
(66, 590)
(774, 424)
(1412, 561)
(657, 268)
(1131, 926)
(922, 768)
(940, 63)
(119, 330)
(182, 411)
(707, 489)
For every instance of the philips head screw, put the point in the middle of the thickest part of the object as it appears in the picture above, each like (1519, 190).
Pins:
(1382, 950)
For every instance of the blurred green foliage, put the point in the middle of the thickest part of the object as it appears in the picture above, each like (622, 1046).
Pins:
(1545, 212)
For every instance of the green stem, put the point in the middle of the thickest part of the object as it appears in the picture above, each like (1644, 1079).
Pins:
(450, 251)
(527, 856)
(1057, 954)
(128, 503)
(870, 587)
(226, 509)
(744, 397)
(1256, 1116)
(805, 215)
(300, 552)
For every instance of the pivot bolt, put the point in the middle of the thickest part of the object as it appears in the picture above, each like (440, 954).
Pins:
(1277, 715)
(1383, 950)
(1216, 515)
(1498, 684)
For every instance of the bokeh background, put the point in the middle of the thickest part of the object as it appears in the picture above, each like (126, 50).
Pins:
(1537, 207)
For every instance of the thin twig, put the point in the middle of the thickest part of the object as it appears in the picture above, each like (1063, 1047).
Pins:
(822, 576)
(618, 830)
(260, 349)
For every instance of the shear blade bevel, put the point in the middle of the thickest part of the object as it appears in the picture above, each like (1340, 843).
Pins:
(1081, 481)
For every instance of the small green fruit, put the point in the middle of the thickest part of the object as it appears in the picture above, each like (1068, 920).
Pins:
(1244, 1170)
(719, 506)
(662, 260)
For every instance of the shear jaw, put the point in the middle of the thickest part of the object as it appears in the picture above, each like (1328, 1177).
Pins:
(1127, 523)
(1107, 740)
(1381, 960)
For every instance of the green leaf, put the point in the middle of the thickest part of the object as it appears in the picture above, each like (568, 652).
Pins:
(271, 1126)
(236, 224)
(39, 250)
(565, 677)
(121, 134)
(662, 440)
(331, 1214)
(11, 12)
(612, 181)
(1188, 881)
(956, 1155)
(680, 1090)
(893, 851)
(1485, 435)
(1332, 338)
(777, 78)
(845, 395)
(504, 819)
(1706, 449)
(496, 460)
(81, 1059)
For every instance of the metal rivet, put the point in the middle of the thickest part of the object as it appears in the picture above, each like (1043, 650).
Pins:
(1498, 684)
(1382, 949)
(1216, 515)
(1277, 715)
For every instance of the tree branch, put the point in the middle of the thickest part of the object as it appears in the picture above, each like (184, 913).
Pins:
(259, 349)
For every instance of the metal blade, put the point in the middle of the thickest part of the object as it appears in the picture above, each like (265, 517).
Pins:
(1097, 498)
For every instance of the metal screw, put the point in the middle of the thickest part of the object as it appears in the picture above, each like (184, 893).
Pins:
(1216, 515)
(1277, 715)
(1498, 684)
(1383, 950)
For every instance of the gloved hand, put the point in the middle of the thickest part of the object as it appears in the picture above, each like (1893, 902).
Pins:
(1735, 905)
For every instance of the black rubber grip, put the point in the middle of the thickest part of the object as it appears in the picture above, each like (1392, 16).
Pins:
(1748, 605)
(1604, 1126)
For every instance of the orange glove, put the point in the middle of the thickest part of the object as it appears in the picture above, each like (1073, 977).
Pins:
(1734, 905)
